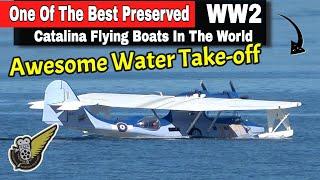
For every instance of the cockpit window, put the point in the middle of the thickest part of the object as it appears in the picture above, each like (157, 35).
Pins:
(213, 114)
(151, 123)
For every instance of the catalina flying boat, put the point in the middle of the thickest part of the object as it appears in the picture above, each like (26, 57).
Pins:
(190, 114)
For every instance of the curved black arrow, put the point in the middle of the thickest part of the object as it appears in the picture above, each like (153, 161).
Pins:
(296, 47)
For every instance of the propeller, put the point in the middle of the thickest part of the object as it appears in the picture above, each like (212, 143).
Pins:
(203, 86)
(233, 89)
(232, 94)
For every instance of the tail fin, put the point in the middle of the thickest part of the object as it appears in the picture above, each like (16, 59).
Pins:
(56, 93)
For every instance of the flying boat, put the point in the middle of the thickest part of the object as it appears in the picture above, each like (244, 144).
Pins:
(191, 114)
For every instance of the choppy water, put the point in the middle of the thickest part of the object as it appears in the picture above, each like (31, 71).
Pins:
(278, 77)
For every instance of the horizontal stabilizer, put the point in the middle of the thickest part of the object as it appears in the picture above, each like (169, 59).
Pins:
(73, 105)
(36, 105)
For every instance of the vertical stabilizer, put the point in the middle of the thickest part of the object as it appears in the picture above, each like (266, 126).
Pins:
(56, 93)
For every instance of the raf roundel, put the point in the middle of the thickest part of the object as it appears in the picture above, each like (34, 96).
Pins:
(122, 127)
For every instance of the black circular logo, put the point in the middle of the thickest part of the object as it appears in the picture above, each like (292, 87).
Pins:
(122, 127)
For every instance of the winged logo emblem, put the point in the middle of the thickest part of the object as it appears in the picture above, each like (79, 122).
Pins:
(26, 153)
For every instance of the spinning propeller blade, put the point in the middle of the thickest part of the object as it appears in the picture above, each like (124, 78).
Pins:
(234, 90)
(232, 87)
(203, 86)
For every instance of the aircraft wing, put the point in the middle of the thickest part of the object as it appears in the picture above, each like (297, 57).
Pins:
(191, 103)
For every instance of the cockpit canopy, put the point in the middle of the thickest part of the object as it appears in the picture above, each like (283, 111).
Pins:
(150, 123)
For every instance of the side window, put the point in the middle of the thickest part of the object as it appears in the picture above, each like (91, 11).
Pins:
(210, 114)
